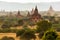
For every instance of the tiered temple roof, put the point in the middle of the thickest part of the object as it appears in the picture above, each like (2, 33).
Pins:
(35, 16)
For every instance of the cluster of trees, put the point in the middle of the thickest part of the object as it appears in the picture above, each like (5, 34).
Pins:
(8, 30)
(43, 31)
(7, 22)
(27, 33)
(10, 22)
(50, 35)
(54, 20)
(43, 26)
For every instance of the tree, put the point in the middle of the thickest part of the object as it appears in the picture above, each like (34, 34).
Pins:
(43, 26)
(20, 22)
(50, 35)
(26, 34)
(7, 24)
(20, 32)
(29, 34)
(31, 24)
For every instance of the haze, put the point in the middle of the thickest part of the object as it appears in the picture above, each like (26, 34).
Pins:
(42, 6)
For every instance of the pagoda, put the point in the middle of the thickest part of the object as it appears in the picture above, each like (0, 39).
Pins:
(35, 16)
(19, 15)
(50, 11)
(28, 15)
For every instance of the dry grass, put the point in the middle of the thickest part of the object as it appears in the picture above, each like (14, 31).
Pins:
(9, 35)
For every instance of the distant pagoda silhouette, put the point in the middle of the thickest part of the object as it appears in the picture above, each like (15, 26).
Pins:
(19, 15)
(28, 15)
(50, 12)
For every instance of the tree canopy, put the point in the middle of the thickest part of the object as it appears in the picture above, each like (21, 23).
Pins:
(50, 35)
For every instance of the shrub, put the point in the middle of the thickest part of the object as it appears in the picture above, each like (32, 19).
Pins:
(50, 35)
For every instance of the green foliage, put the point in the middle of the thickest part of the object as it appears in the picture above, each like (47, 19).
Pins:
(20, 32)
(50, 35)
(20, 22)
(26, 33)
(43, 26)
(7, 22)
(56, 27)
(31, 24)
(7, 30)
(58, 38)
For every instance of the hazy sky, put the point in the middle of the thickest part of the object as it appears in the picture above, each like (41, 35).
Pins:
(28, 1)
(42, 5)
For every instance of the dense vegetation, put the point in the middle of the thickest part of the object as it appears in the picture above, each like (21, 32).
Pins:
(26, 33)
(50, 35)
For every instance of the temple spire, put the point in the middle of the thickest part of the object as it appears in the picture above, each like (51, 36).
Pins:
(35, 17)
(36, 10)
(18, 12)
(28, 15)
(19, 15)
(32, 11)
(50, 9)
